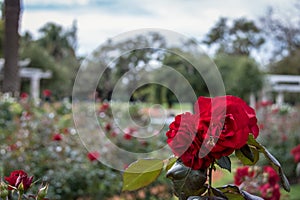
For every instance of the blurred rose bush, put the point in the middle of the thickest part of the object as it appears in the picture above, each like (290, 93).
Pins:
(42, 141)
(279, 131)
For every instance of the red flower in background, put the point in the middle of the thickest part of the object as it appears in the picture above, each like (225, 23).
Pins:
(104, 107)
(263, 181)
(108, 127)
(296, 153)
(57, 137)
(273, 177)
(24, 96)
(127, 136)
(229, 122)
(270, 192)
(94, 155)
(17, 177)
(128, 133)
(47, 93)
(241, 174)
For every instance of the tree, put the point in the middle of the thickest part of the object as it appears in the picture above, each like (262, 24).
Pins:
(59, 42)
(11, 80)
(241, 74)
(282, 32)
(54, 51)
(126, 57)
(240, 38)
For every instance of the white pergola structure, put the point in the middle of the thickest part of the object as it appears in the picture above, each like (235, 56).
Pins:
(280, 84)
(34, 74)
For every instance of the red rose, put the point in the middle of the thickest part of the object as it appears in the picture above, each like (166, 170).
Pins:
(108, 127)
(296, 153)
(57, 137)
(17, 177)
(24, 96)
(229, 121)
(47, 93)
(269, 192)
(94, 155)
(241, 174)
(127, 136)
(273, 177)
(185, 142)
(104, 107)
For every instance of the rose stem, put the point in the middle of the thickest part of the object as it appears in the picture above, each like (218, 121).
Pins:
(210, 177)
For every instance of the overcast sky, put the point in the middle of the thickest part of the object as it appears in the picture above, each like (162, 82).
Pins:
(98, 20)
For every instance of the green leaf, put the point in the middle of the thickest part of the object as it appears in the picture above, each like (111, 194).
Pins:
(218, 193)
(249, 196)
(247, 152)
(232, 192)
(186, 181)
(170, 162)
(141, 173)
(225, 163)
(273, 161)
(245, 159)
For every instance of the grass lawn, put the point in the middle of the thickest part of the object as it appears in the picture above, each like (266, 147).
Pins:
(294, 194)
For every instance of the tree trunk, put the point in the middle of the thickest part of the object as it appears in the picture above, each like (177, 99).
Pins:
(11, 79)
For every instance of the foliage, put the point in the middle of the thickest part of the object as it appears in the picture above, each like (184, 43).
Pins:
(58, 42)
(30, 145)
(43, 141)
(283, 35)
(125, 56)
(279, 127)
(240, 38)
(54, 50)
(241, 74)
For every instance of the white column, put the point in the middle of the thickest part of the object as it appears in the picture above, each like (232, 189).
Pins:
(280, 98)
(35, 87)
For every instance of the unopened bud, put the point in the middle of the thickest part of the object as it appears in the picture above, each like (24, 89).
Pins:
(42, 192)
(21, 188)
(3, 190)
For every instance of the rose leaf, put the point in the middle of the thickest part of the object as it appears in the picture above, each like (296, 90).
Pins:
(273, 161)
(249, 196)
(245, 159)
(247, 152)
(225, 163)
(232, 192)
(141, 173)
(170, 162)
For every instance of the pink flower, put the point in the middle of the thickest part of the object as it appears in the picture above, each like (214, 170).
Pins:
(129, 132)
(94, 155)
(266, 103)
(114, 134)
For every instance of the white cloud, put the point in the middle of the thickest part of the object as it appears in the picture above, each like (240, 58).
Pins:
(98, 22)
(56, 2)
